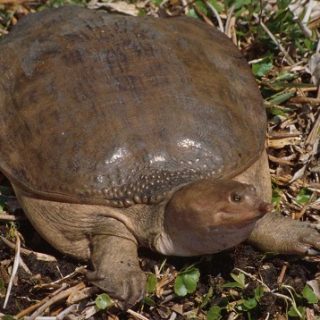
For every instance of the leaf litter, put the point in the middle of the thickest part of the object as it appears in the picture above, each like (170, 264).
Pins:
(280, 40)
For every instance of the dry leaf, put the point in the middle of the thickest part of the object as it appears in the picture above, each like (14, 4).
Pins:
(120, 7)
(314, 68)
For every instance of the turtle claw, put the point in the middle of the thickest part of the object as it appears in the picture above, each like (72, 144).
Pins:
(312, 252)
(126, 289)
(312, 240)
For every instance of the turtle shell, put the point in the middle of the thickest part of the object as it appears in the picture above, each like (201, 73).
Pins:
(116, 110)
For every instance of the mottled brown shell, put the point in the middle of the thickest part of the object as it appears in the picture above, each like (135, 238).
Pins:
(108, 109)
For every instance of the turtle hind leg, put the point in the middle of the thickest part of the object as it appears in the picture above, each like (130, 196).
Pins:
(116, 269)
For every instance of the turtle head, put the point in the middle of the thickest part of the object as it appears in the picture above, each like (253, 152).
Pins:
(209, 216)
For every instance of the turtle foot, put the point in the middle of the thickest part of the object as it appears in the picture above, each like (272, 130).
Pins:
(127, 289)
(117, 270)
(275, 233)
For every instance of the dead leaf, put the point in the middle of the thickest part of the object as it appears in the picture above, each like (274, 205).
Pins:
(314, 68)
(120, 7)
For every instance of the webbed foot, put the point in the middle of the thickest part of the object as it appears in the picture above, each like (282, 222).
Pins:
(117, 269)
(274, 233)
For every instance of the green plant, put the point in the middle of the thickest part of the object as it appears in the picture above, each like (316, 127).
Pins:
(186, 281)
(103, 301)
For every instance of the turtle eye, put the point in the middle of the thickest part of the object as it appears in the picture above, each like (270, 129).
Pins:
(235, 197)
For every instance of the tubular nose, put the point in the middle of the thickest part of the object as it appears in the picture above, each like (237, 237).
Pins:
(265, 207)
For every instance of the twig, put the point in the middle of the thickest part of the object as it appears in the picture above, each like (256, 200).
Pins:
(304, 23)
(254, 278)
(282, 273)
(16, 263)
(202, 15)
(62, 295)
(173, 316)
(66, 311)
(82, 294)
(318, 46)
(35, 306)
(228, 21)
(24, 266)
(136, 315)
(277, 43)
(216, 14)
(9, 217)
(232, 316)
(185, 6)
(39, 256)
(78, 270)
(314, 135)
(280, 160)
(168, 298)
(293, 302)
(306, 17)
(88, 312)
(44, 318)
(14, 2)
(279, 295)
(312, 101)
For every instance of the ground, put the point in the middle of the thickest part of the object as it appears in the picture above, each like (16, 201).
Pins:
(280, 43)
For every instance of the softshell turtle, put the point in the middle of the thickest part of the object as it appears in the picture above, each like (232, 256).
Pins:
(118, 132)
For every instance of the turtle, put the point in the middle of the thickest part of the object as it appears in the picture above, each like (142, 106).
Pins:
(119, 132)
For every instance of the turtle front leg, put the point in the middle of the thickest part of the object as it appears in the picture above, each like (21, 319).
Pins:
(275, 233)
(116, 269)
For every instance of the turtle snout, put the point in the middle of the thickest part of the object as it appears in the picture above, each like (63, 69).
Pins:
(264, 208)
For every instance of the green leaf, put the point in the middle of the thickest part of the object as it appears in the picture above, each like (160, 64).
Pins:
(149, 301)
(303, 196)
(258, 293)
(103, 301)
(240, 3)
(192, 13)
(156, 2)
(276, 197)
(201, 6)
(249, 304)
(186, 282)
(285, 76)
(214, 313)
(179, 287)
(278, 112)
(151, 283)
(8, 317)
(293, 313)
(281, 97)
(218, 6)
(283, 4)
(309, 295)
(232, 285)
(207, 298)
(191, 280)
(2, 287)
(240, 279)
(142, 12)
(261, 68)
